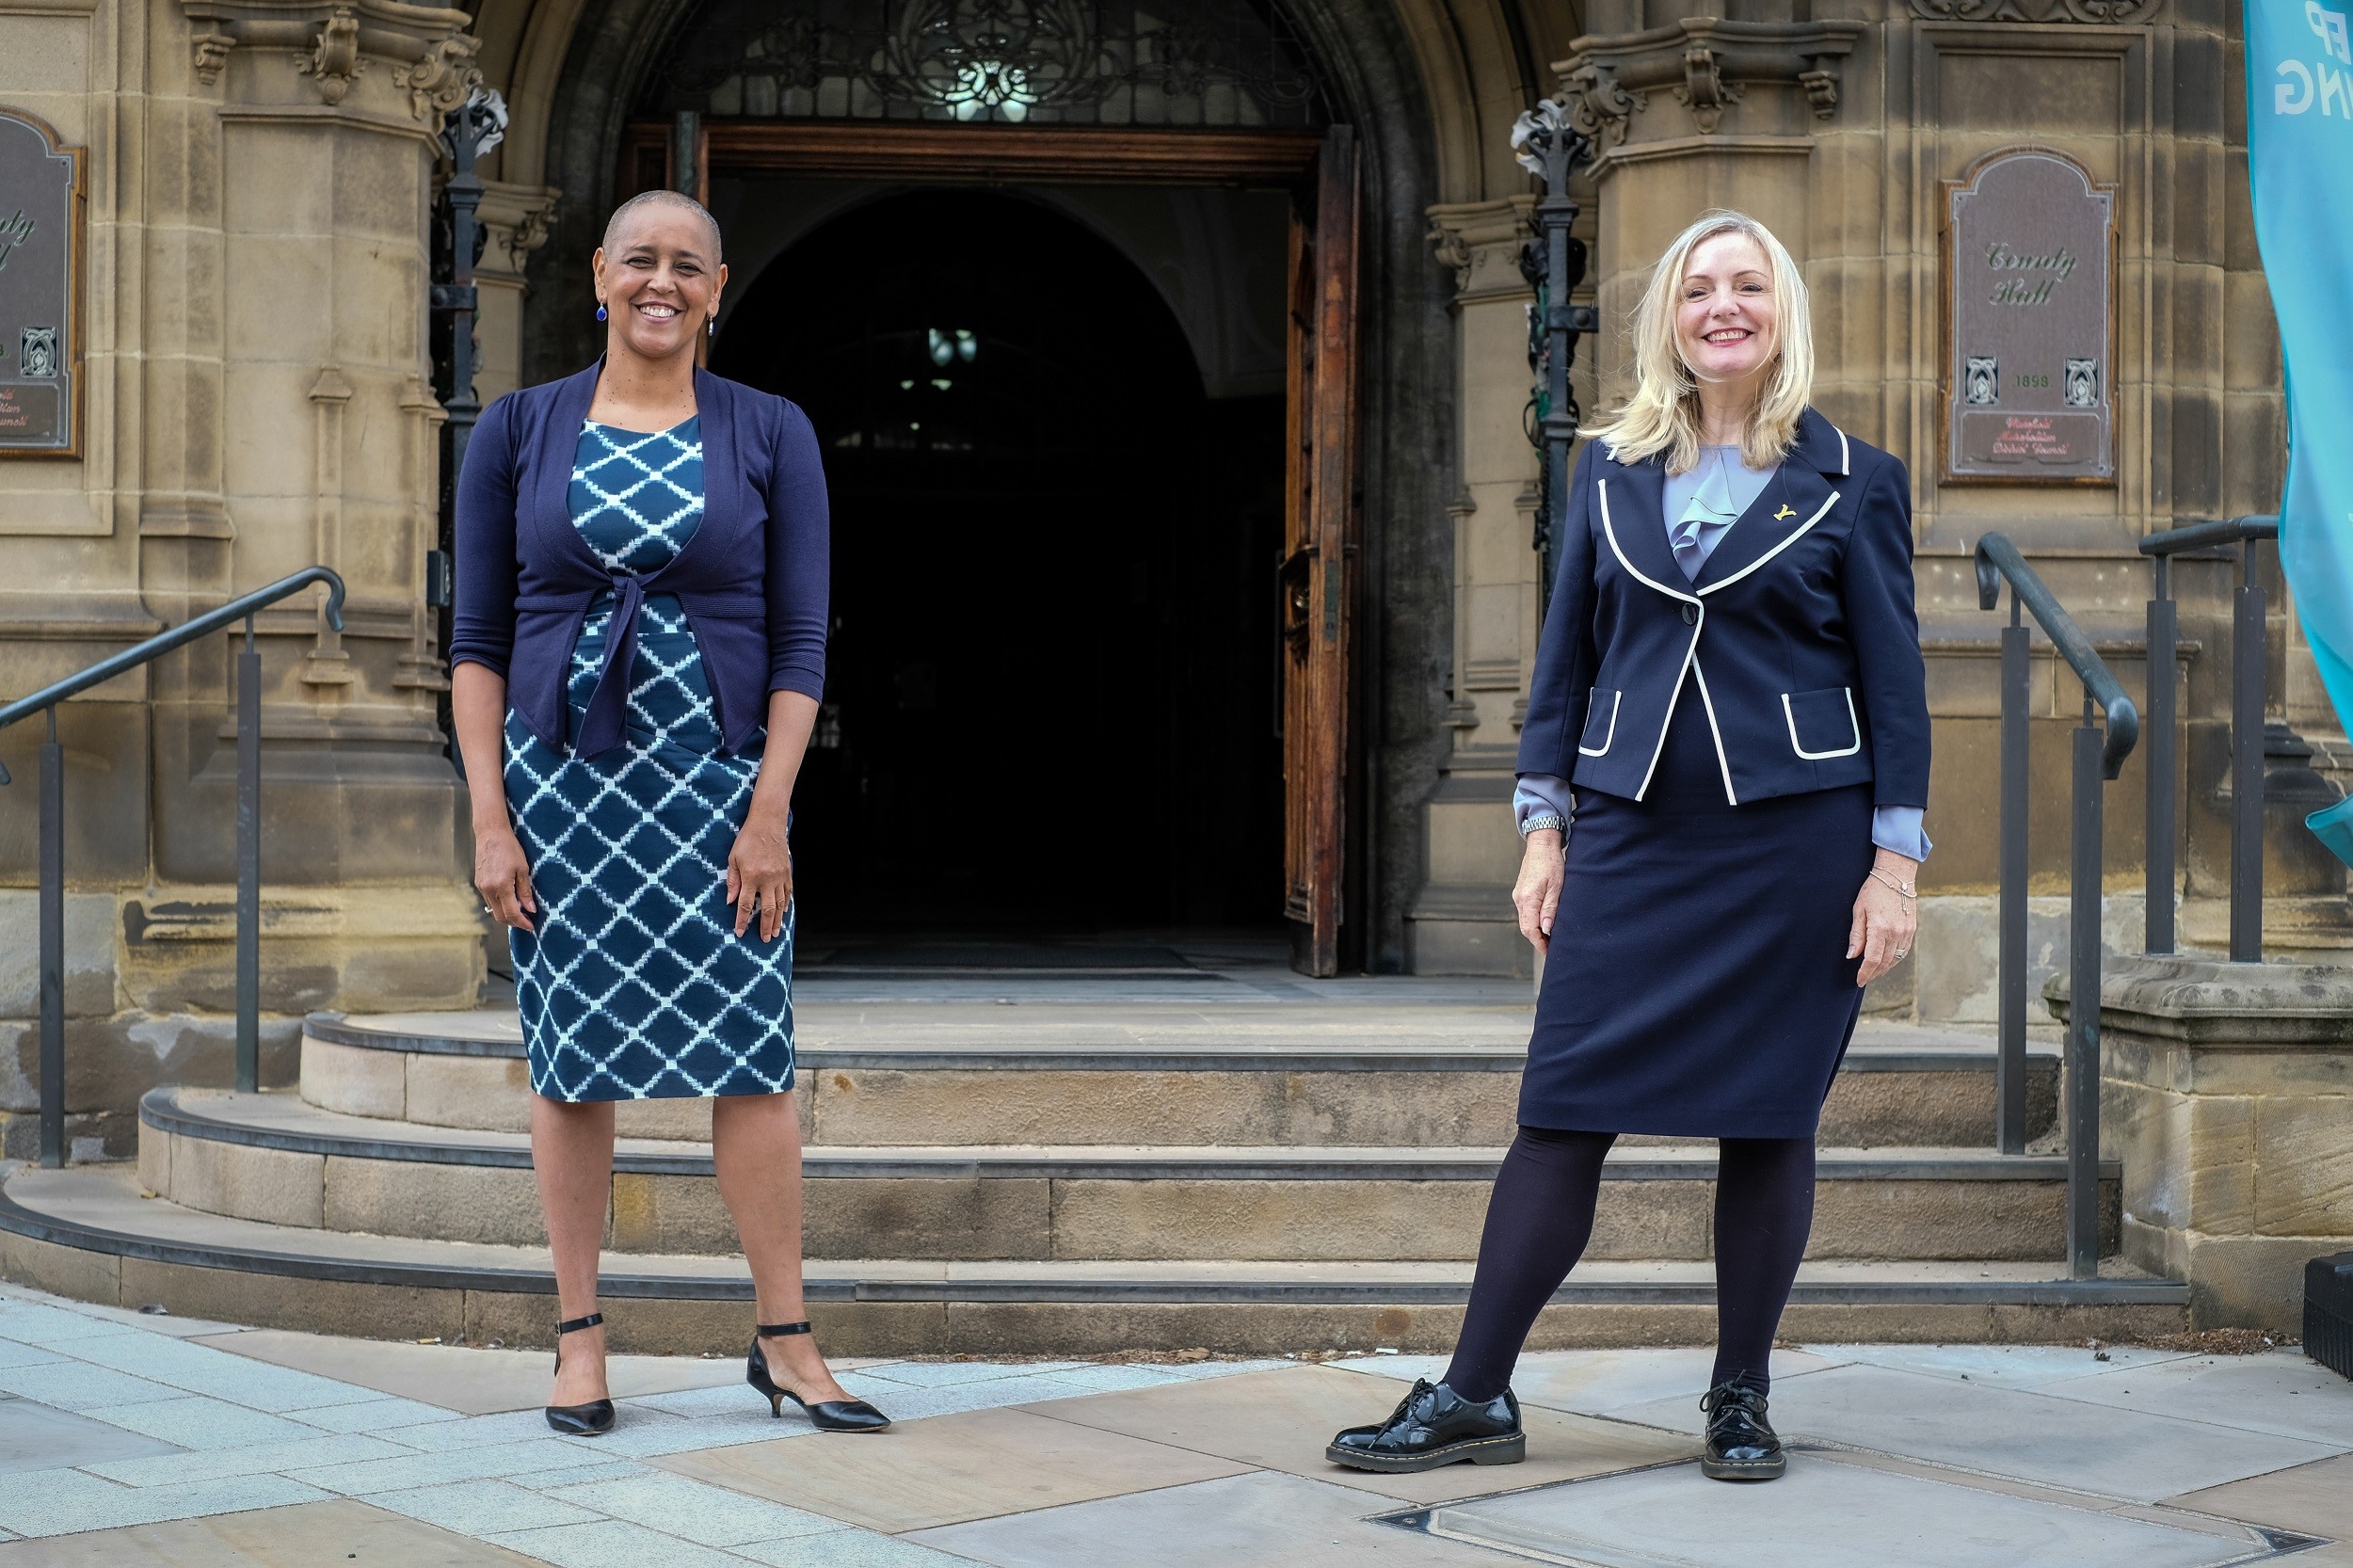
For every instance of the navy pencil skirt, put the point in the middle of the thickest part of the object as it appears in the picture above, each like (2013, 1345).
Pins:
(1698, 983)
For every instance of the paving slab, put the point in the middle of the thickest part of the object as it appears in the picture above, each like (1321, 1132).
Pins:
(2002, 1365)
(950, 1469)
(1253, 1521)
(66, 1502)
(15, 1354)
(2311, 1499)
(78, 1386)
(303, 1536)
(613, 1544)
(35, 1437)
(474, 1382)
(33, 1323)
(170, 1469)
(2033, 1436)
(848, 1550)
(692, 1510)
(1822, 1514)
(2280, 1391)
(1281, 1420)
(482, 1507)
(200, 1423)
(197, 1367)
(1593, 1382)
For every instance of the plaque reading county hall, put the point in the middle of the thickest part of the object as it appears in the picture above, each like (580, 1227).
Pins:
(40, 291)
(2029, 261)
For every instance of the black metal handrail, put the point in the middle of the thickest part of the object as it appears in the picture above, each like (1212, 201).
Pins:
(2098, 754)
(248, 832)
(2247, 658)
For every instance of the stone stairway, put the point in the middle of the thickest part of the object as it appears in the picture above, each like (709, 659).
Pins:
(1055, 1171)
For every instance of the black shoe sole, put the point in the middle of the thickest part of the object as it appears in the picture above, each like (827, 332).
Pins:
(1756, 1469)
(1508, 1448)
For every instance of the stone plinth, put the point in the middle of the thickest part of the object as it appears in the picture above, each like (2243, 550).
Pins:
(2226, 1094)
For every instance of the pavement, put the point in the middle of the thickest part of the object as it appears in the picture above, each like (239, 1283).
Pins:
(131, 1438)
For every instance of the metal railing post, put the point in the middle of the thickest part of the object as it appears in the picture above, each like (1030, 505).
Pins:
(249, 866)
(52, 947)
(2163, 639)
(2083, 1013)
(2009, 1063)
(2247, 654)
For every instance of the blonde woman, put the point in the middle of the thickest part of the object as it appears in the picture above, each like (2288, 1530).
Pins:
(1722, 778)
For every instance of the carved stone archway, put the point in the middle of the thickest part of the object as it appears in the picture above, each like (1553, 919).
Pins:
(1371, 72)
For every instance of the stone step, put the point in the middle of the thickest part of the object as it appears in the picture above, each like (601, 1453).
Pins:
(275, 1158)
(87, 1232)
(1299, 1074)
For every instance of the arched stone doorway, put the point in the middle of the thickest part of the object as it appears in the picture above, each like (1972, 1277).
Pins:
(1053, 662)
(1387, 535)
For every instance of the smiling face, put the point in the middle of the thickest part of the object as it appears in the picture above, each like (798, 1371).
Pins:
(659, 275)
(1725, 322)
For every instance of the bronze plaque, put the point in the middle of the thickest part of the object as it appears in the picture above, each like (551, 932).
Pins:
(40, 291)
(2029, 339)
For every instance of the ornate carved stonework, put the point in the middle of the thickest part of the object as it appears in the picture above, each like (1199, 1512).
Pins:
(1481, 240)
(333, 42)
(335, 59)
(442, 78)
(1705, 63)
(2035, 10)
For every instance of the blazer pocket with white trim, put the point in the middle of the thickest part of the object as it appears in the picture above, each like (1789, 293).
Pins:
(1600, 720)
(1822, 723)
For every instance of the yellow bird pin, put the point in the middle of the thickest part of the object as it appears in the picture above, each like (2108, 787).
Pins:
(1787, 511)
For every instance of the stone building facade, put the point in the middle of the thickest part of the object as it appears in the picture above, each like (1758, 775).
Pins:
(263, 177)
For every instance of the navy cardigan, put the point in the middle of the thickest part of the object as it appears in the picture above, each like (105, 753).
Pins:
(1798, 638)
(753, 579)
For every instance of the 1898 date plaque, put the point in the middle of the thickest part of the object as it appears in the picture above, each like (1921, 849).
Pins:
(2029, 263)
(40, 291)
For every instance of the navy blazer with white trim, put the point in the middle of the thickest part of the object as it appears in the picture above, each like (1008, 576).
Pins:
(1798, 636)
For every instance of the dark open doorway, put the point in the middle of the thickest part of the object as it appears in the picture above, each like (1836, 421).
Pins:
(1053, 702)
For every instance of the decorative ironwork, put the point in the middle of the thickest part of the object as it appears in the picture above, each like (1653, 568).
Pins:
(1107, 62)
(1548, 144)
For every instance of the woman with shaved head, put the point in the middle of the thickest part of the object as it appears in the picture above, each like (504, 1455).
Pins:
(638, 654)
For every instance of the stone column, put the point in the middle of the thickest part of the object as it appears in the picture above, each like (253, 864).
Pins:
(517, 218)
(259, 402)
(1461, 921)
(2227, 1092)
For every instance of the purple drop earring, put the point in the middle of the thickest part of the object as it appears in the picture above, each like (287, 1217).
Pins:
(599, 313)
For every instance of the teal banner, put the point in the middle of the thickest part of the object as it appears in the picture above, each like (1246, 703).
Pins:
(2299, 155)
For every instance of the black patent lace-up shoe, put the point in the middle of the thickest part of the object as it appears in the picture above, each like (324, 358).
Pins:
(1742, 1444)
(1434, 1426)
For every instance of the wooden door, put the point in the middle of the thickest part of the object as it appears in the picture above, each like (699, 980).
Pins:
(1320, 563)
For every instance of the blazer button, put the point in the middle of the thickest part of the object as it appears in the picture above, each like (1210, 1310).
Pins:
(1690, 614)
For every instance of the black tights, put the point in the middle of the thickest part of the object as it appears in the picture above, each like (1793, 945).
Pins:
(1542, 1214)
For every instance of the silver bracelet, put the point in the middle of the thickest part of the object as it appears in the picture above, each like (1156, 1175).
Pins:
(1902, 889)
(1544, 819)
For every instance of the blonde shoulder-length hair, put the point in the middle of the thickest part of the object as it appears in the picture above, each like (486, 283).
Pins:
(1663, 415)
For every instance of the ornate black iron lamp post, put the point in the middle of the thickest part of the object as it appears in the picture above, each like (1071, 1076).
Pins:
(1548, 147)
(475, 127)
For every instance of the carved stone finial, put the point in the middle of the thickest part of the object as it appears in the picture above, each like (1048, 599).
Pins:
(335, 60)
(442, 77)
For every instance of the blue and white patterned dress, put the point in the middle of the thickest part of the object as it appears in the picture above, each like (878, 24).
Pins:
(635, 985)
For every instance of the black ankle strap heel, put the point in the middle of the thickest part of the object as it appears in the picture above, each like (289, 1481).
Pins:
(578, 1420)
(825, 1414)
